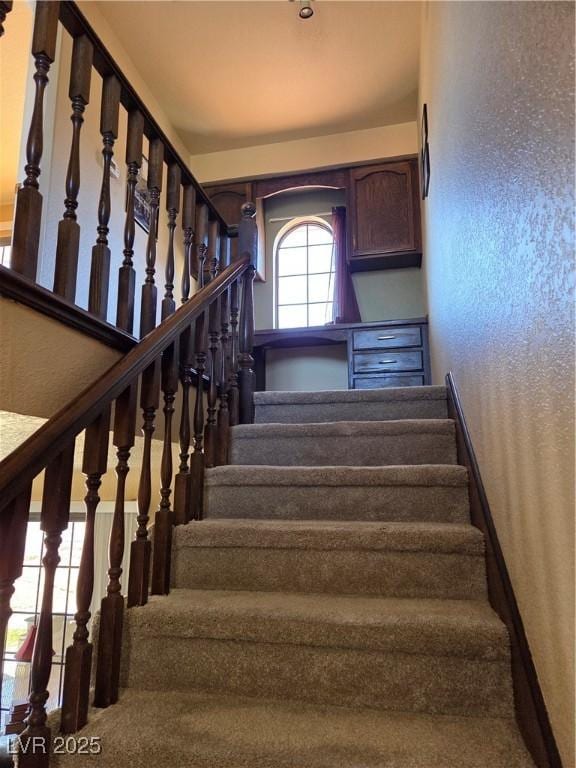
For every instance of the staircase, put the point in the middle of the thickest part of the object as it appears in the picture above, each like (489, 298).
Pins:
(330, 610)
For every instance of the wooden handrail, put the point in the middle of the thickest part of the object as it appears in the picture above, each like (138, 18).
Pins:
(22, 465)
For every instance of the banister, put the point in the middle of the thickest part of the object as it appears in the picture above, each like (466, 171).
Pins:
(34, 454)
(77, 24)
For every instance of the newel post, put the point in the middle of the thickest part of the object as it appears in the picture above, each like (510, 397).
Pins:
(247, 246)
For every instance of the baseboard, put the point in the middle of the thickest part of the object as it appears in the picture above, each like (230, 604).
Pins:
(531, 713)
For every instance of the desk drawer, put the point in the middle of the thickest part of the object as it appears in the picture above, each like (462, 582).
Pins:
(388, 362)
(388, 338)
(392, 380)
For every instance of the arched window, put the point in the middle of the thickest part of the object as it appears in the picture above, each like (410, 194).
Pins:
(304, 274)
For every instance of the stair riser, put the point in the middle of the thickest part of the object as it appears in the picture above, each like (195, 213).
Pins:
(390, 574)
(302, 413)
(337, 676)
(442, 504)
(351, 450)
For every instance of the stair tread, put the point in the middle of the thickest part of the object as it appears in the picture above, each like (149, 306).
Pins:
(344, 428)
(441, 538)
(350, 395)
(436, 627)
(221, 731)
(408, 475)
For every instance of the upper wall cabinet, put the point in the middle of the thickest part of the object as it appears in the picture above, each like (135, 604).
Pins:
(384, 220)
(382, 201)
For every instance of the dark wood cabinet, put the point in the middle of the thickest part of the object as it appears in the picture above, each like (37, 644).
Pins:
(384, 216)
(392, 353)
(382, 201)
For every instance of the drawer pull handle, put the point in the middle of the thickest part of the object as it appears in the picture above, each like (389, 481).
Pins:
(385, 338)
(385, 362)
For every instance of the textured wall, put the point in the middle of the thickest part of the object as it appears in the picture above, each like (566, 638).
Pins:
(43, 363)
(498, 81)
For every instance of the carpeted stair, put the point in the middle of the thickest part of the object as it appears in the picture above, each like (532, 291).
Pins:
(330, 611)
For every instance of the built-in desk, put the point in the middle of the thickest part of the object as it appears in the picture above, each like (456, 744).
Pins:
(392, 353)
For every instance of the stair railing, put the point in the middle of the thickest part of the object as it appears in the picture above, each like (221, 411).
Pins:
(158, 372)
(200, 222)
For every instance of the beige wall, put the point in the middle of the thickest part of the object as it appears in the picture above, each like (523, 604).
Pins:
(43, 363)
(499, 247)
(303, 154)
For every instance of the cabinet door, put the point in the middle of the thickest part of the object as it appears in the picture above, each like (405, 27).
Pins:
(229, 199)
(385, 211)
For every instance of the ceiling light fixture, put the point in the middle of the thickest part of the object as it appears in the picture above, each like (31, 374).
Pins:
(306, 11)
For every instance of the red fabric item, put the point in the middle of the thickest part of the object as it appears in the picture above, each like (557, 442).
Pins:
(345, 304)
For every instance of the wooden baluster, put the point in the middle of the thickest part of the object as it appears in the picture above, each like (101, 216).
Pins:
(233, 395)
(35, 739)
(183, 478)
(172, 207)
(112, 606)
(164, 519)
(140, 548)
(5, 8)
(68, 244)
(100, 268)
(26, 236)
(213, 249)
(197, 460)
(201, 241)
(188, 207)
(247, 246)
(13, 522)
(223, 412)
(149, 292)
(126, 273)
(211, 431)
(79, 655)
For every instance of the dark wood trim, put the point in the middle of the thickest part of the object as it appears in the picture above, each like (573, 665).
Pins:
(21, 466)
(385, 261)
(24, 291)
(531, 713)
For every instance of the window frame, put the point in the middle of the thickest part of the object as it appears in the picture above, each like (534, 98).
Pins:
(295, 223)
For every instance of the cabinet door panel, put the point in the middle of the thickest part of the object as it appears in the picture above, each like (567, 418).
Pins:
(384, 209)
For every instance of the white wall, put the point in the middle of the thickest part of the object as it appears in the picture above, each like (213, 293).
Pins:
(498, 79)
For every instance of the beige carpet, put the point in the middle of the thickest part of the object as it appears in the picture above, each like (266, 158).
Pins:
(331, 611)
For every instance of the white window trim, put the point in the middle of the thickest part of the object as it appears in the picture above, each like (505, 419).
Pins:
(291, 223)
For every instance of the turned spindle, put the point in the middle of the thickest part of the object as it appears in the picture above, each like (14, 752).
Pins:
(28, 215)
(188, 210)
(127, 273)
(172, 207)
(68, 243)
(78, 667)
(149, 291)
(53, 521)
(100, 266)
(139, 575)
(112, 606)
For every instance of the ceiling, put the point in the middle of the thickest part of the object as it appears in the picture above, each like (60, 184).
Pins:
(237, 74)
